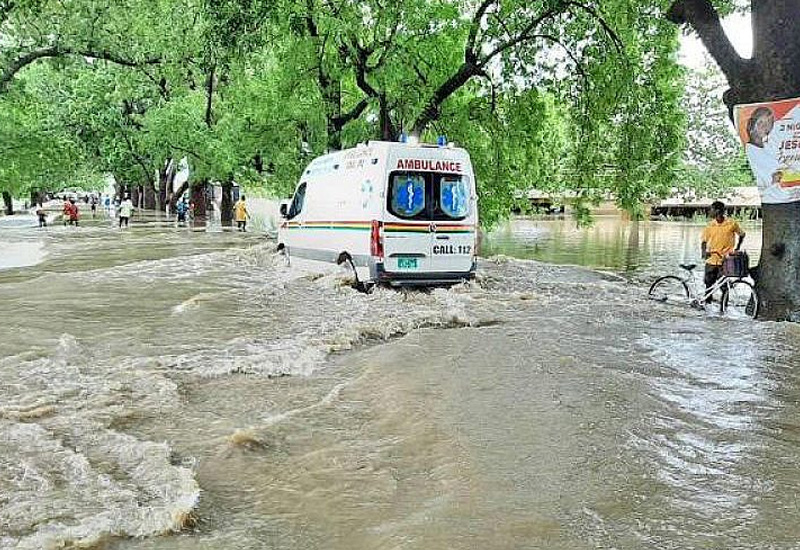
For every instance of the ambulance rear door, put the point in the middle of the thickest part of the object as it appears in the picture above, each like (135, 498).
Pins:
(430, 222)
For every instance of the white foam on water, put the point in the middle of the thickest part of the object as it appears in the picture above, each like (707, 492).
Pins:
(100, 484)
(239, 268)
(194, 302)
(333, 317)
(67, 477)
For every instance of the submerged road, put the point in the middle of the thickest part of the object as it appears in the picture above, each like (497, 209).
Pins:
(170, 389)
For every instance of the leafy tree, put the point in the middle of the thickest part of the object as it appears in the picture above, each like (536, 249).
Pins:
(714, 160)
(45, 29)
(771, 73)
(553, 94)
(37, 152)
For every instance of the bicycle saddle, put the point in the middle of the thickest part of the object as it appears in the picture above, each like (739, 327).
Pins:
(688, 267)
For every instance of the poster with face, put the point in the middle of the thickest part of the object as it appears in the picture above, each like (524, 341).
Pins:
(770, 133)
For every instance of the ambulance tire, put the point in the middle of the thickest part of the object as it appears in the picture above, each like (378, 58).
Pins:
(361, 286)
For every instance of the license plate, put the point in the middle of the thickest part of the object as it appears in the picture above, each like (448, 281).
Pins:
(406, 263)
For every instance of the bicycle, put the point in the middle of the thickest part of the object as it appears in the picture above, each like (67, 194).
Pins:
(738, 296)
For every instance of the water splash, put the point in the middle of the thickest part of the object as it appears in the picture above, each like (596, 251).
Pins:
(66, 477)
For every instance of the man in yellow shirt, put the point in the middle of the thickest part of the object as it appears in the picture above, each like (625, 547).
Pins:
(240, 214)
(718, 241)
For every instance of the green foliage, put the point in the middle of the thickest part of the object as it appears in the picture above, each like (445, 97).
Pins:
(714, 159)
(584, 104)
(36, 153)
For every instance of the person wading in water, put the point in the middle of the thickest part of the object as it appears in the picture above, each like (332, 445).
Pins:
(125, 211)
(71, 213)
(718, 241)
(240, 214)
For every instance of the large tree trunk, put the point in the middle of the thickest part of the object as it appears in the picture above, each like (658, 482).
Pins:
(161, 193)
(166, 178)
(199, 199)
(37, 197)
(136, 195)
(773, 73)
(778, 278)
(226, 204)
(150, 197)
(8, 206)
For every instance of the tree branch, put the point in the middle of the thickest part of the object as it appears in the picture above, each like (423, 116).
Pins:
(210, 97)
(502, 25)
(340, 121)
(140, 160)
(311, 25)
(615, 39)
(431, 110)
(469, 48)
(58, 51)
(188, 152)
(362, 55)
(17, 65)
(704, 19)
(525, 34)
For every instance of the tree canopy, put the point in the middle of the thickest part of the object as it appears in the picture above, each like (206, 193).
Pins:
(551, 94)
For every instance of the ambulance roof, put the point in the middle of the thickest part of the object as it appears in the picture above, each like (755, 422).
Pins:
(372, 150)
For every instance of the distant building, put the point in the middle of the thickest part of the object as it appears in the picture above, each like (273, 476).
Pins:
(739, 201)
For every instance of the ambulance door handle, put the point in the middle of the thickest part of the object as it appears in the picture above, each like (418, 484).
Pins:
(443, 237)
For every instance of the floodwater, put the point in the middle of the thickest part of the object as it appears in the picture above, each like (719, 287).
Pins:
(637, 249)
(164, 388)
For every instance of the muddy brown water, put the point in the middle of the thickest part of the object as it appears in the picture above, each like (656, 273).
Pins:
(165, 388)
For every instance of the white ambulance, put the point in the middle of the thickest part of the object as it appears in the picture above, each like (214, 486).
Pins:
(397, 213)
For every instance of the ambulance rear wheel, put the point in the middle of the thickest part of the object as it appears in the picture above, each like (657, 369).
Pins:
(346, 258)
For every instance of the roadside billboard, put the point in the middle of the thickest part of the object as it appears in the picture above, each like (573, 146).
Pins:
(770, 133)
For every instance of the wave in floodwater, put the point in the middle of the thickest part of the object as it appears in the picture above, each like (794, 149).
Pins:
(67, 477)
(72, 475)
(323, 315)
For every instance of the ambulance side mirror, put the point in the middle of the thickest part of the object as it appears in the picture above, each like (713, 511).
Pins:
(284, 209)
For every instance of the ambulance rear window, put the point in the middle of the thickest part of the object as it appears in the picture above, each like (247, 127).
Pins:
(453, 197)
(428, 196)
(407, 194)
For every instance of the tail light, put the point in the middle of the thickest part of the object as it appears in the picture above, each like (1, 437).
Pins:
(376, 239)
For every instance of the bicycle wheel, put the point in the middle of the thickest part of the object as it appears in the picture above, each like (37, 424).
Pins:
(741, 300)
(669, 289)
